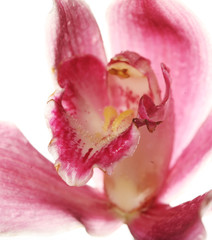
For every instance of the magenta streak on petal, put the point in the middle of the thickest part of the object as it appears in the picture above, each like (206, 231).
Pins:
(189, 160)
(121, 147)
(149, 113)
(34, 198)
(163, 31)
(162, 222)
(73, 32)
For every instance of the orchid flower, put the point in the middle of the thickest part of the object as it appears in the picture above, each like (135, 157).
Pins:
(140, 124)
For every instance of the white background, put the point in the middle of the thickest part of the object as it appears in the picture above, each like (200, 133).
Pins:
(26, 81)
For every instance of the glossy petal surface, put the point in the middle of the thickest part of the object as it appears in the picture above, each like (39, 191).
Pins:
(34, 198)
(73, 32)
(189, 160)
(163, 31)
(162, 222)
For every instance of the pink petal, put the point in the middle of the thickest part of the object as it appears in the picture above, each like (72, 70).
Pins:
(34, 198)
(78, 151)
(73, 32)
(189, 160)
(162, 31)
(162, 222)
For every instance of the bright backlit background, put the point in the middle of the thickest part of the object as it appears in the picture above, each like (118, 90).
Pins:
(26, 81)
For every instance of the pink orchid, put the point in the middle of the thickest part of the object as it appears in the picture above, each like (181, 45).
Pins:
(145, 125)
